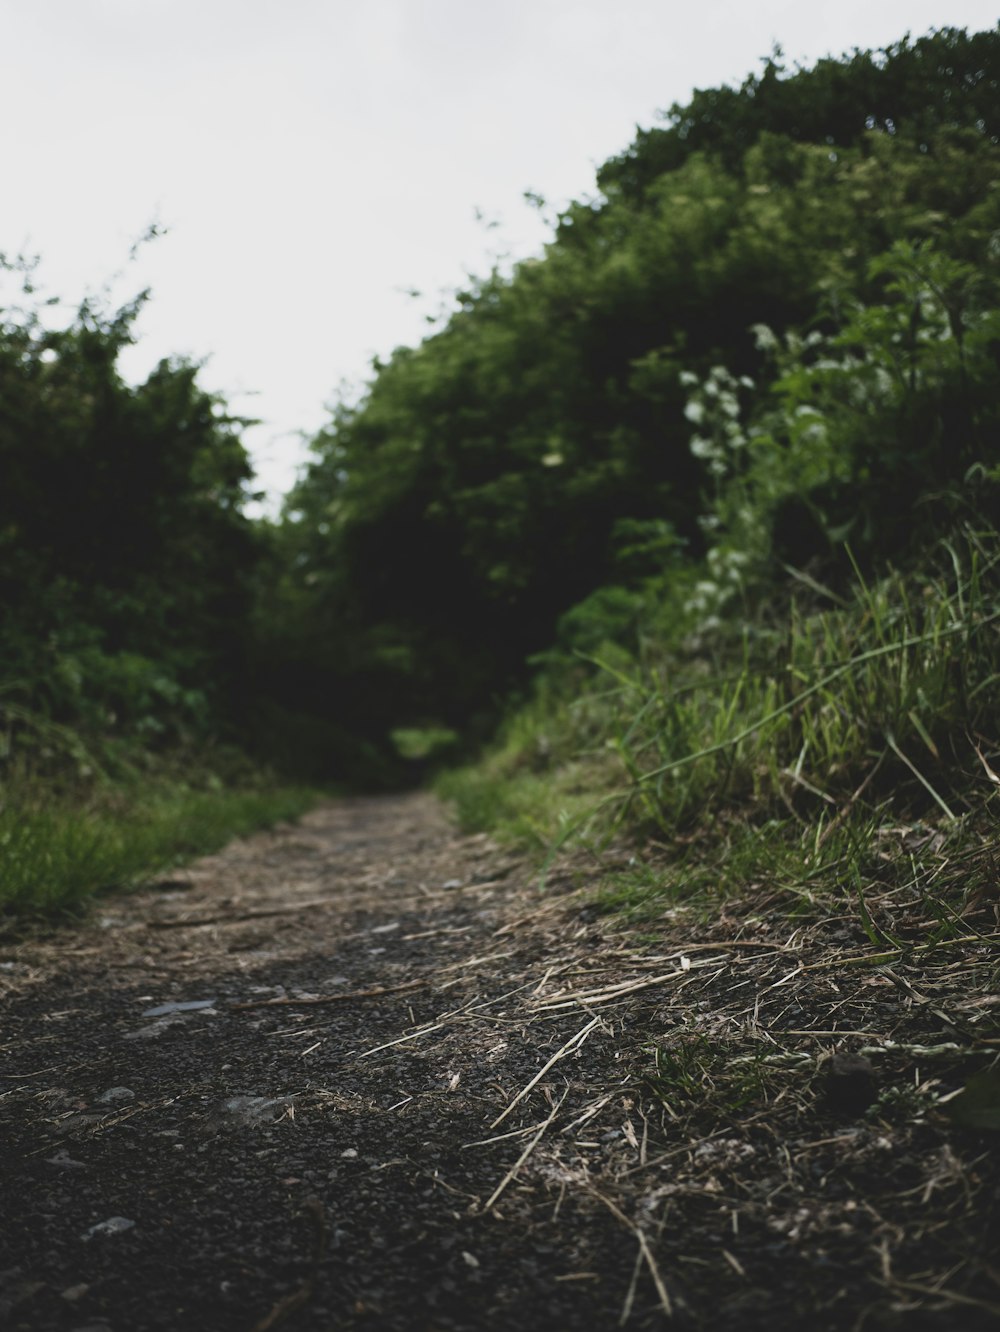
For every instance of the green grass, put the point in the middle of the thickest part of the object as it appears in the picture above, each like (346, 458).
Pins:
(768, 752)
(58, 851)
(525, 807)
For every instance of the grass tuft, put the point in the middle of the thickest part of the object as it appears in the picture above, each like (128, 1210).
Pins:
(58, 852)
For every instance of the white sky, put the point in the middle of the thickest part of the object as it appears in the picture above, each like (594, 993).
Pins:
(313, 160)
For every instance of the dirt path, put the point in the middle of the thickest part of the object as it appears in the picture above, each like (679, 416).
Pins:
(402, 1089)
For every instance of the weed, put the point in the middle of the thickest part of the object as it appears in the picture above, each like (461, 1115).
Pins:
(697, 1076)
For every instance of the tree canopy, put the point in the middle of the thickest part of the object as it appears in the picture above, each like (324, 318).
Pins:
(539, 445)
(772, 329)
(126, 559)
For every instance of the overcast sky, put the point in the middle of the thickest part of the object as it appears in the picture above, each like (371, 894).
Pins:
(315, 160)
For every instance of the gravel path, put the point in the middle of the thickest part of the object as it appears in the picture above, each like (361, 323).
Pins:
(363, 1073)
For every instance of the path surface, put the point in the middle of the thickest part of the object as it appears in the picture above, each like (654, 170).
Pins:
(417, 1093)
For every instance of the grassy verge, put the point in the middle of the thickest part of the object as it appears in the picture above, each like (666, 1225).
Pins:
(777, 749)
(799, 812)
(59, 850)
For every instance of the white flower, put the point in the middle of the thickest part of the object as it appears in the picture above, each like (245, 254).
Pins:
(703, 448)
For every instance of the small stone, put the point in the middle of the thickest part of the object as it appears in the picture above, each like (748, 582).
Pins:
(257, 1111)
(65, 1161)
(187, 1006)
(115, 1225)
(73, 1293)
(116, 1096)
(850, 1084)
(73, 1123)
(469, 1259)
(349, 1155)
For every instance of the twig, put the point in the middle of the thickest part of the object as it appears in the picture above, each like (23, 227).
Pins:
(573, 1043)
(284, 1309)
(225, 918)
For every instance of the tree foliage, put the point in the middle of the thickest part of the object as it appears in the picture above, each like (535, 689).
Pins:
(774, 329)
(126, 562)
(538, 447)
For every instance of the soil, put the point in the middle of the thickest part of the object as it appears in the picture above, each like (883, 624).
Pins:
(395, 1083)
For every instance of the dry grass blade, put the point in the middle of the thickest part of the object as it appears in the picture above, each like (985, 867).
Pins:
(284, 1001)
(610, 992)
(939, 801)
(893, 954)
(400, 1040)
(572, 1044)
(499, 1137)
(647, 1253)
(947, 1296)
(512, 1172)
(989, 771)
(630, 1293)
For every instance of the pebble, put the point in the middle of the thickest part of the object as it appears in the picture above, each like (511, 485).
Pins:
(65, 1161)
(116, 1096)
(186, 1006)
(115, 1225)
(255, 1110)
